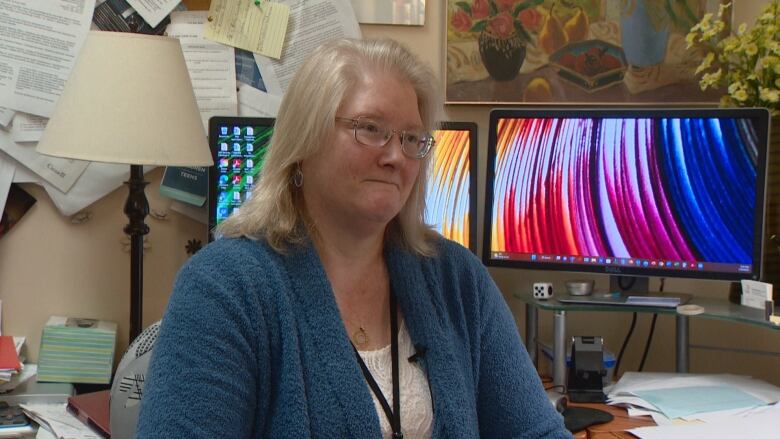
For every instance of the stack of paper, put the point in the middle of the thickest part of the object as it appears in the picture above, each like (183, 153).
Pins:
(9, 359)
(678, 399)
(77, 350)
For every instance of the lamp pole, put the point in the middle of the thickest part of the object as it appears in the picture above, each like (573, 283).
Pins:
(136, 209)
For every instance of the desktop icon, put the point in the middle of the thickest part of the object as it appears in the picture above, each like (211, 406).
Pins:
(700, 265)
(223, 131)
(236, 131)
(250, 147)
(250, 131)
(533, 257)
(236, 147)
(223, 179)
(248, 195)
(223, 146)
(250, 179)
(237, 179)
(250, 163)
(222, 212)
(236, 163)
(224, 163)
(237, 196)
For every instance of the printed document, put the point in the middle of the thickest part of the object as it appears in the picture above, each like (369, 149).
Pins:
(6, 114)
(243, 24)
(61, 173)
(255, 103)
(28, 127)
(312, 22)
(39, 42)
(153, 11)
(212, 68)
(7, 170)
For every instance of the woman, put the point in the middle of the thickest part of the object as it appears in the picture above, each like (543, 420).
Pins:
(328, 303)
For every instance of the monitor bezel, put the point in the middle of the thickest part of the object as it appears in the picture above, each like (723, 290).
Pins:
(471, 127)
(214, 123)
(760, 115)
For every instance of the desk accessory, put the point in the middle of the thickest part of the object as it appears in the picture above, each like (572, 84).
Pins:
(77, 350)
(579, 287)
(543, 290)
(129, 100)
(585, 374)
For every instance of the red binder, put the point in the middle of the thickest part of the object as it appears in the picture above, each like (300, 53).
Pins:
(8, 357)
(92, 408)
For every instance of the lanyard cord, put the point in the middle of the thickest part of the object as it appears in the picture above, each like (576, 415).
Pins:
(394, 415)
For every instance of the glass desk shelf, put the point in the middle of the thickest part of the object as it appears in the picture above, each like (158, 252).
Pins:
(719, 309)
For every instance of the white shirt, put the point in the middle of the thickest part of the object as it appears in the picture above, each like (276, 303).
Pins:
(416, 408)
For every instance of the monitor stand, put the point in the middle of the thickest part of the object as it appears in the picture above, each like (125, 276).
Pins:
(635, 285)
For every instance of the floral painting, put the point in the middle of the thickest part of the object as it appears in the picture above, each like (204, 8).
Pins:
(574, 51)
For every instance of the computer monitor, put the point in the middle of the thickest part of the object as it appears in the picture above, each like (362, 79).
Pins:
(238, 146)
(451, 196)
(638, 192)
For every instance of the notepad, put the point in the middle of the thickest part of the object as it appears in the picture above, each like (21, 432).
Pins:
(684, 401)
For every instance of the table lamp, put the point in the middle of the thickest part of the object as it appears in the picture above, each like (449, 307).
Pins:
(129, 100)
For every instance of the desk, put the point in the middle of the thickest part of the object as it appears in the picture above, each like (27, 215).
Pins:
(615, 428)
(719, 309)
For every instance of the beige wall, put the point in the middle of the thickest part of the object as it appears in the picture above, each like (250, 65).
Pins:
(50, 266)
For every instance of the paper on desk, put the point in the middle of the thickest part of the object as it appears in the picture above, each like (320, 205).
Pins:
(6, 114)
(153, 11)
(28, 127)
(212, 67)
(243, 24)
(60, 173)
(685, 401)
(28, 371)
(312, 22)
(57, 419)
(762, 424)
(255, 103)
(40, 41)
(22, 174)
(631, 382)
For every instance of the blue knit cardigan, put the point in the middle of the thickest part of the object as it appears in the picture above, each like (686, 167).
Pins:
(252, 346)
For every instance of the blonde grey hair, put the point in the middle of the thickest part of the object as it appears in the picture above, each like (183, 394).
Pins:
(305, 121)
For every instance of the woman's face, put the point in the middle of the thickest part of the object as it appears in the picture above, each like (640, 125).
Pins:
(357, 186)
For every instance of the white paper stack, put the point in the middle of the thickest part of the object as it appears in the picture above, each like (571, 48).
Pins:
(675, 400)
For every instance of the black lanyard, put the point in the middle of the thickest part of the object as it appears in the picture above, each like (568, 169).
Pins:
(394, 415)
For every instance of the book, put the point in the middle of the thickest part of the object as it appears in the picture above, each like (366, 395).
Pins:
(189, 185)
(92, 409)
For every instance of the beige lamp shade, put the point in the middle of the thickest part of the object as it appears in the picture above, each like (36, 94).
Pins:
(128, 100)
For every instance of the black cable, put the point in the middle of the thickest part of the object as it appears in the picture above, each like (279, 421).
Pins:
(625, 343)
(652, 330)
(649, 341)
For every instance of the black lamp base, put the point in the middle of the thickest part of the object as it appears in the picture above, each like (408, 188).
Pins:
(136, 209)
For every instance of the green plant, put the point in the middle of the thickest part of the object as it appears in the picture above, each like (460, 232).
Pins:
(745, 63)
(502, 18)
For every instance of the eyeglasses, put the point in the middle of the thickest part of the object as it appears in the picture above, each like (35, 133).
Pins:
(415, 144)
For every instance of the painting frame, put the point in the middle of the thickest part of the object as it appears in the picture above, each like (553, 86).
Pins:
(482, 38)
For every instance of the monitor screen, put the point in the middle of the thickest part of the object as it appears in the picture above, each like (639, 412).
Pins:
(238, 146)
(661, 192)
(451, 202)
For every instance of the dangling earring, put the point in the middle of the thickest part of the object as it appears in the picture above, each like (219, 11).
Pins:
(298, 177)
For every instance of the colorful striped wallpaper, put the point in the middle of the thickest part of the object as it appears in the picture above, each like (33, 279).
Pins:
(447, 198)
(672, 189)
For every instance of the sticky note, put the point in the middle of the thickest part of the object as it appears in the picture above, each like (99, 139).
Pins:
(243, 24)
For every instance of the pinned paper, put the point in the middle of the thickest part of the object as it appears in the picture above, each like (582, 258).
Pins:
(243, 24)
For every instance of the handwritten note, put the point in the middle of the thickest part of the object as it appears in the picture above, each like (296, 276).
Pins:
(243, 24)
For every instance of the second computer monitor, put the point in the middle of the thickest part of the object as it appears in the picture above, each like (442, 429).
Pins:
(451, 198)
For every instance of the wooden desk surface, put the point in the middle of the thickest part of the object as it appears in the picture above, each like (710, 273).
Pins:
(613, 429)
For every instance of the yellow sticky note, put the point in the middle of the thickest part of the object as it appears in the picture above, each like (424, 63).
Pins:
(243, 24)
